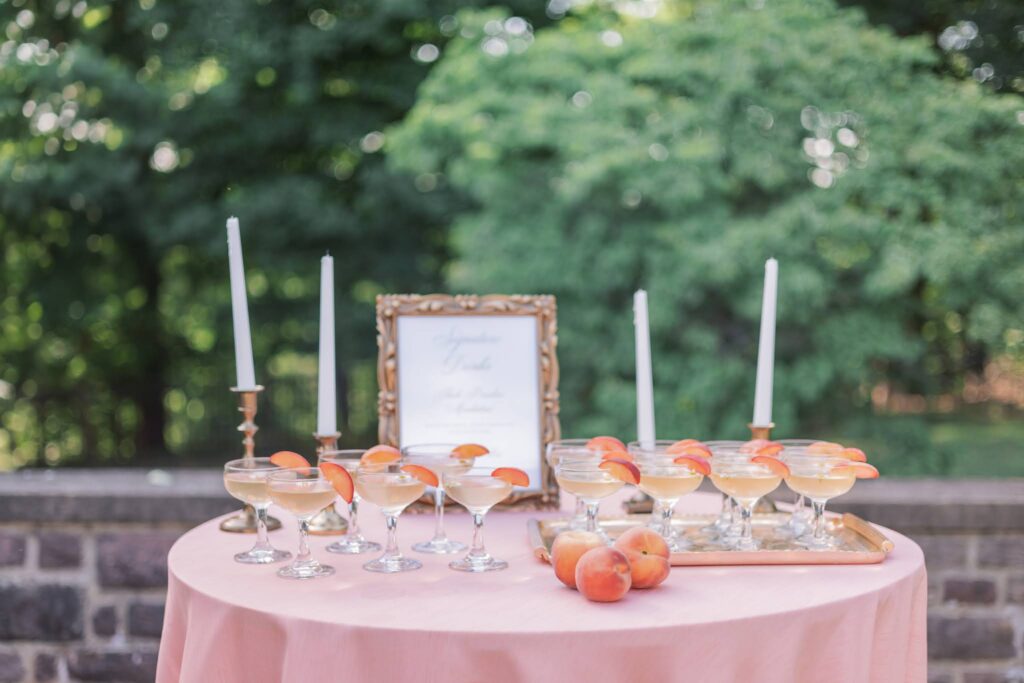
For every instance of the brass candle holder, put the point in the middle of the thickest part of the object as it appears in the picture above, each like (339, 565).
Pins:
(245, 521)
(327, 522)
(761, 432)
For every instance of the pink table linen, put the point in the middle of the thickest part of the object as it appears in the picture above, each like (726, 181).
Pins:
(228, 623)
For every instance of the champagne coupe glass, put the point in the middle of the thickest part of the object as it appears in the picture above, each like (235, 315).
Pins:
(575, 449)
(438, 458)
(246, 480)
(587, 481)
(478, 491)
(735, 475)
(302, 491)
(666, 482)
(353, 542)
(800, 519)
(725, 528)
(820, 478)
(392, 492)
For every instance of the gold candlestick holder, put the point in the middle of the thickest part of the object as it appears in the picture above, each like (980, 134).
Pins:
(245, 521)
(327, 522)
(761, 432)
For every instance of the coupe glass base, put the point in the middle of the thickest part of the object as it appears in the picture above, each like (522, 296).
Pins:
(310, 570)
(440, 546)
(478, 564)
(392, 565)
(811, 543)
(354, 545)
(262, 556)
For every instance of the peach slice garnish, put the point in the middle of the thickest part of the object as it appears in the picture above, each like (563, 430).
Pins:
(754, 444)
(605, 443)
(770, 448)
(288, 459)
(381, 454)
(825, 448)
(512, 475)
(695, 463)
(421, 473)
(854, 454)
(861, 470)
(621, 455)
(340, 479)
(697, 449)
(678, 446)
(623, 470)
(777, 467)
(469, 450)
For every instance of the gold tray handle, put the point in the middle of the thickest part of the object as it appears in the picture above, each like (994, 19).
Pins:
(869, 532)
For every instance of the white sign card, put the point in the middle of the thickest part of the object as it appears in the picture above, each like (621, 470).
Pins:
(472, 379)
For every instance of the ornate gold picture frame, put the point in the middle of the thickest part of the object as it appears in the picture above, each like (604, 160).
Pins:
(538, 313)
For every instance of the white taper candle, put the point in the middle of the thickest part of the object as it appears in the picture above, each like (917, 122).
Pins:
(245, 373)
(326, 407)
(644, 375)
(766, 347)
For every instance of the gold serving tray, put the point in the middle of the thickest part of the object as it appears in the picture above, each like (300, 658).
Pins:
(860, 543)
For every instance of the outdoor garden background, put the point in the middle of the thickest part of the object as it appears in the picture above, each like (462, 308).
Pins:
(582, 149)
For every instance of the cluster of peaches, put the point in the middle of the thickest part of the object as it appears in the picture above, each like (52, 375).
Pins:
(639, 558)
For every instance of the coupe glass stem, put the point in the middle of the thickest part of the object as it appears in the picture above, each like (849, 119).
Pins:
(392, 546)
(666, 520)
(581, 509)
(819, 520)
(592, 516)
(304, 555)
(439, 514)
(746, 513)
(353, 517)
(262, 541)
(478, 549)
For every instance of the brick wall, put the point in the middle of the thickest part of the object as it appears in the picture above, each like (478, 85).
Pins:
(83, 570)
(83, 573)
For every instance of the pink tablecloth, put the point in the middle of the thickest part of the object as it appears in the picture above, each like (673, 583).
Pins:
(228, 623)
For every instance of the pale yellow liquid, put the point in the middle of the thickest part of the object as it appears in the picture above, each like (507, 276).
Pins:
(743, 486)
(592, 487)
(392, 493)
(302, 498)
(821, 486)
(248, 487)
(669, 486)
(478, 494)
(442, 466)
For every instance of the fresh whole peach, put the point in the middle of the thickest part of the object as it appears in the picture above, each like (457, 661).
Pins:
(603, 575)
(648, 556)
(566, 551)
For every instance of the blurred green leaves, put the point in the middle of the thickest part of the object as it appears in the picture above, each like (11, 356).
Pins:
(677, 153)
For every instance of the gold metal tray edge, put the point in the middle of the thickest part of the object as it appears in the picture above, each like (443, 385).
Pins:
(862, 543)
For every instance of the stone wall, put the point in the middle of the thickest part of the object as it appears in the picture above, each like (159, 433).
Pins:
(83, 573)
(83, 570)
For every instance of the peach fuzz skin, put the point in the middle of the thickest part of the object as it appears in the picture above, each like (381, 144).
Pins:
(648, 556)
(603, 575)
(566, 551)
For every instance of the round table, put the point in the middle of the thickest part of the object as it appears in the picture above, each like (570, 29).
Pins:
(228, 623)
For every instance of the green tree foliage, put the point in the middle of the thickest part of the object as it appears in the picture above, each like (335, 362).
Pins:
(980, 39)
(129, 131)
(679, 151)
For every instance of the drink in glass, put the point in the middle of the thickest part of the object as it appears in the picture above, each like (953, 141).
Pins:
(392, 492)
(353, 542)
(441, 459)
(246, 480)
(745, 478)
(479, 489)
(302, 491)
(821, 478)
